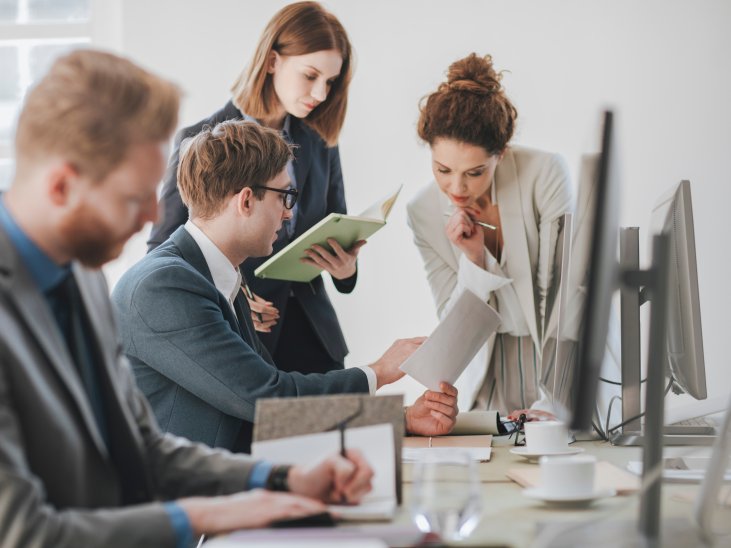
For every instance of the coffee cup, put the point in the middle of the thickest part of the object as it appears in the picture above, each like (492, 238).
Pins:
(543, 437)
(568, 477)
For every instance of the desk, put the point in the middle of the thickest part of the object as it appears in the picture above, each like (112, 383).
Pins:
(510, 519)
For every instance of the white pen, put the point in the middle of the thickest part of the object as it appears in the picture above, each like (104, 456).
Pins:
(484, 225)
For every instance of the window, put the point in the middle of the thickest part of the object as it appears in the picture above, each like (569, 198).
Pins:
(32, 34)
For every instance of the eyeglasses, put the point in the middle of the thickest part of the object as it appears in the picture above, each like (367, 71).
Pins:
(519, 430)
(290, 194)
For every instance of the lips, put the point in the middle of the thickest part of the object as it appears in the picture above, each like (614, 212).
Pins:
(310, 106)
(459, 199)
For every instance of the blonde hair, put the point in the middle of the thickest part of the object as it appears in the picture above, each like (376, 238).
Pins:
(219, 162)
(471, 107)
(298, 29)
(90, 108)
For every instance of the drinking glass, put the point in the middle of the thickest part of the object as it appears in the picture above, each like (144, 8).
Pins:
(446, 496)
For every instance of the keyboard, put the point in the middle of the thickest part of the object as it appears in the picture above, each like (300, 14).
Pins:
(696, 426)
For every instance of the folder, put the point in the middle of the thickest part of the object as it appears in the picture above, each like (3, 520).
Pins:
(346, 229)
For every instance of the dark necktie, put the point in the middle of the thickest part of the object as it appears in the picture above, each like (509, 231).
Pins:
(68, 308)
(70, 315)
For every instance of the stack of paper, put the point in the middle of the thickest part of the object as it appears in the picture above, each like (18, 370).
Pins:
(443, 448)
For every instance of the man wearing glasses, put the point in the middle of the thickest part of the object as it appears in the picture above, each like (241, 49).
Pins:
(185, 322)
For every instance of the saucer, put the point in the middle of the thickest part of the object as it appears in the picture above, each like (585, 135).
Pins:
(534, 456)
(568, 500)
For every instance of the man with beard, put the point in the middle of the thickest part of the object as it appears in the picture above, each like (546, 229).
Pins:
(82, 460)
(185, 323)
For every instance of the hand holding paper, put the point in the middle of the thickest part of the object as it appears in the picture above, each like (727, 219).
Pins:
(454, 342)
(434, 413)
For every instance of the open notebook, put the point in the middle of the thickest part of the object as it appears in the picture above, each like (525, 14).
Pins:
(374, 442)
(345, 229)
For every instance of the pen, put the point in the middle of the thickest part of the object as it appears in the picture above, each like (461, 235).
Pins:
(250, 296)
(341, 427)
(484, 225)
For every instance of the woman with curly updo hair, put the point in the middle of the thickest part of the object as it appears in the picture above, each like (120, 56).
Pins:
(488, 223)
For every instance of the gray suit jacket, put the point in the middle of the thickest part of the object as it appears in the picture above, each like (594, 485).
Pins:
(200, 370)
(59, 485)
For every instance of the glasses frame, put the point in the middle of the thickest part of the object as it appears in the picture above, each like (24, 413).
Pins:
(519, 430)
(289, 194)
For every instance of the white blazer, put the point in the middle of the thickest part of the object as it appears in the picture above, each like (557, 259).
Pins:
(533, 191)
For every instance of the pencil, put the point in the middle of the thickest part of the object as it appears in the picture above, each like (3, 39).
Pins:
(483, 225)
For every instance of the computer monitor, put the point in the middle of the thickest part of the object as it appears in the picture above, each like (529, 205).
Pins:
(602, 282)
(673, 215)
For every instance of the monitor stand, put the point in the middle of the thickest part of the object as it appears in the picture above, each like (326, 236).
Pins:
(649, 530)
(632, 298)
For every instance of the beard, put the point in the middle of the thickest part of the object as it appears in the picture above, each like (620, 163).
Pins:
(89, 238)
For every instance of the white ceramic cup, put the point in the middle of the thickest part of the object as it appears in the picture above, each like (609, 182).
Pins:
(571, 476)
(546, 437)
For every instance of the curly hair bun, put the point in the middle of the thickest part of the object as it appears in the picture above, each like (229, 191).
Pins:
(474, 74)
(471, 107)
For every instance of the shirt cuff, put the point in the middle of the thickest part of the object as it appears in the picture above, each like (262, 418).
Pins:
(479, 280)
(372, 379)
(259, 475)
(181, 525)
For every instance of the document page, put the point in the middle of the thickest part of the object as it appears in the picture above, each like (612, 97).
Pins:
(382, 208)
(454, 342)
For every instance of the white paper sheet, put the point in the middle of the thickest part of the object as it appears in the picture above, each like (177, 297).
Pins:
(374, 442)
(444, 454)
(454, 342)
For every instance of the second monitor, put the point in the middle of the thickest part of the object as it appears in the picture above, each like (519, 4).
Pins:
(672, 215)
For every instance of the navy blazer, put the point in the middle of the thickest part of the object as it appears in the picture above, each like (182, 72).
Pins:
(320, 183)
(200, 370)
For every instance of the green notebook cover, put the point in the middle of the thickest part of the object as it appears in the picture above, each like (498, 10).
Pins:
(346, 229)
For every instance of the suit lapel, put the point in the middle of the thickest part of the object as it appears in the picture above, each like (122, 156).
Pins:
(303, 159)
(192, 254)
(106, 347)
(37, 315)
(445, 210)
(510, 202)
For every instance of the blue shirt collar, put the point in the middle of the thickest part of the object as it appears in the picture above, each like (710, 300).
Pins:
(45, 272)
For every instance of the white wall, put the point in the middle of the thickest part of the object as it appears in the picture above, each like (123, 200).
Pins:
(662, 64)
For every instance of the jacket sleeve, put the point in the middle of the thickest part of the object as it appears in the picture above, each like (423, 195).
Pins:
(336, 204)
(172, 321)
(27, 520)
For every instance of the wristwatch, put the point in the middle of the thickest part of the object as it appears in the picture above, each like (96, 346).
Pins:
(277, 479)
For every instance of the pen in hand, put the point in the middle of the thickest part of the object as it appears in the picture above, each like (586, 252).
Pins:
(250, 296)
(482, 224)
(341, 428)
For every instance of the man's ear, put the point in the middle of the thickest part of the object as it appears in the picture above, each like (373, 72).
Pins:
(245, 201)
(62, 180)
(273, 62)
